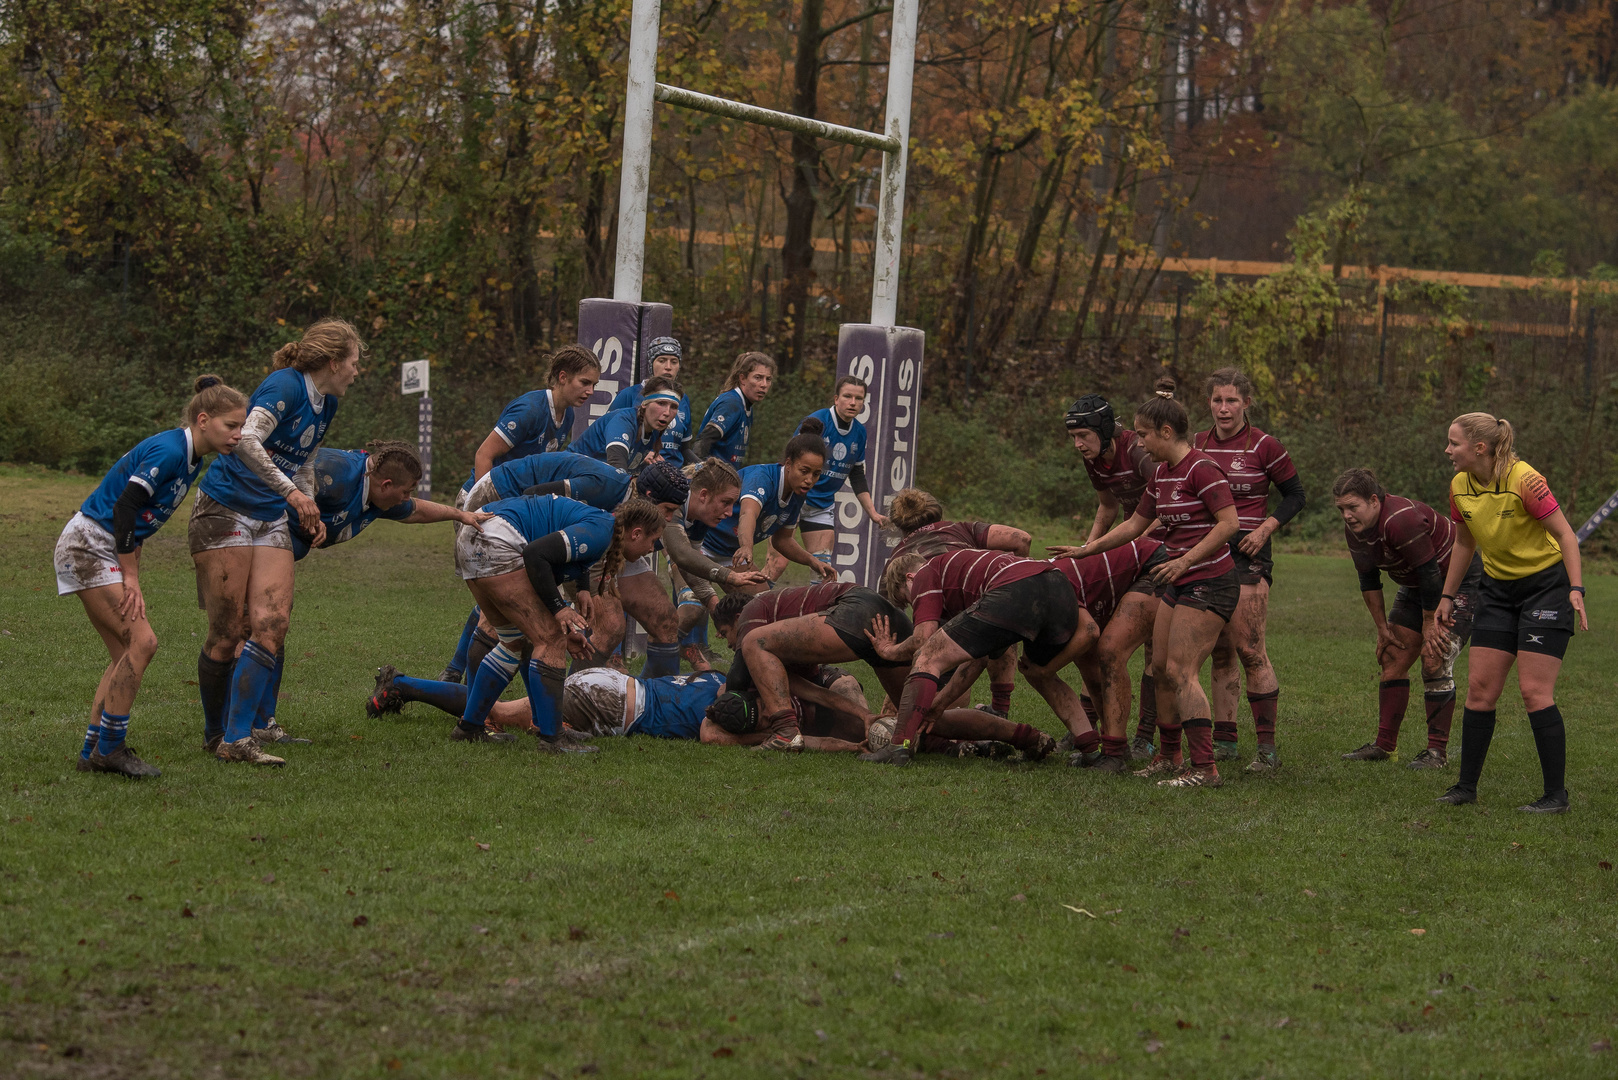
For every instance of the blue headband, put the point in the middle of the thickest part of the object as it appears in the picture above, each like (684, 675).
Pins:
(662, 395)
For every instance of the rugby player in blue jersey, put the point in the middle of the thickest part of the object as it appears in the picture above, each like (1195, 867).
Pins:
(772, 498)
(98, 559)
(356, 487)
(663, 357)
(241, 539)
(845, 463)
(729, 419)
(515, 567)
(628, 438)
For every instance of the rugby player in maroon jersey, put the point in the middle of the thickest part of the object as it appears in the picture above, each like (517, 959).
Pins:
(970, 605)
(1119, 469)
(1192, 499)
(1115, 589)
(920, 517)
(1411, 542)
(1251, 460)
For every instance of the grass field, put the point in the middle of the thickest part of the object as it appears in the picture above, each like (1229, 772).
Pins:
(392, 904)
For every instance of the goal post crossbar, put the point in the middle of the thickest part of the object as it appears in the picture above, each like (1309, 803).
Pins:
(753, 114)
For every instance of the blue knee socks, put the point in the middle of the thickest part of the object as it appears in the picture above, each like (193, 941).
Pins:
(448, 696)
(458, 661)
(488, 683)
(266, 708)
(661, 660)
(545, 696)
(112, 733)
(253, 679)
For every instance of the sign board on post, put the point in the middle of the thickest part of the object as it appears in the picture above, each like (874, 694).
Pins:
(889, 359)
(618, 332)
(413, 378)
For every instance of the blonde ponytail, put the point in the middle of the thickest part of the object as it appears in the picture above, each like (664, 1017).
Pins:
(1496, 434)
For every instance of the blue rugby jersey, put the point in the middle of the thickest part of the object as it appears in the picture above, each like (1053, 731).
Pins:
(620, 427)
(528, 426)
(733, 416)
(761, 484)
(343, 493)
(675, 435)
(844, 450)
(164, 464)
(594, 483)
(302, 416)
(586, 530)
(675, 704)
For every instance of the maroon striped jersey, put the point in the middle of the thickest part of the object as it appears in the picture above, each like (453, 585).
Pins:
(1126, 478)
(778, 605)
(1408, 535)
(942, 537)
(1185, 498)
(1250, 460)
(949, 584)
(1100, 581)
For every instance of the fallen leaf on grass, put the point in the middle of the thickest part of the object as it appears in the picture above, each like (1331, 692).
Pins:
(1310, 893)
(1019, 898)
(1130, 968)
(1600, 1046)
(724, 1051)
(576, 933)
(481, 847)
(268, 879)
(1427, 1010)
(1080, 910)
(1604, 864)
(1153, 1047)
(1418, 932)
(670, 894)
(1283, 1022)
(1183, 1024)
(395, 1063)
(185, 913)
(361, 920)
(132, 896)
(480, 929)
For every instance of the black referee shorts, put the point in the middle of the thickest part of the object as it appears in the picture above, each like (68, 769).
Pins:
(1529, 614)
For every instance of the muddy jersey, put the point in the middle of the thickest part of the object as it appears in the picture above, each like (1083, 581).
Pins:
(586, 532)
(943, 537)
(1125, 479)
(778, 605)
(760, 484)
(949, 584)
(1100, 581)
(164, 464)
(1185, 498)
(343, 494)
(528, 426)
(302, 415)
(1251, 461)
(1407, 536)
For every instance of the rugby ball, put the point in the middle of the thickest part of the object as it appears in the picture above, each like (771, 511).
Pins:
(880, 733)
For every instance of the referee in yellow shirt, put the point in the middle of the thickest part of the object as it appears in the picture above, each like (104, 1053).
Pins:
(1532, 587)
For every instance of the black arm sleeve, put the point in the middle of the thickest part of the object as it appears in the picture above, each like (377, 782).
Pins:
(857, 481)
(1431, 585)
(702, 445)
(543, 559)
(1291, 499)
(617, 456)
(555, 487)
(125, 513)
(1371, 580)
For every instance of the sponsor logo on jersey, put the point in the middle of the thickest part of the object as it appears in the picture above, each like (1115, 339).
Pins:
(584, 549)
(307, 437)
(511, 425)
(766, 523)
(839, 452)
(280, 406)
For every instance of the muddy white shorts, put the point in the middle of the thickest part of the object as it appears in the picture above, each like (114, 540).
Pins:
(496, 550)
(214, 525)
(593, 701)
(815, 520)
(86, 557)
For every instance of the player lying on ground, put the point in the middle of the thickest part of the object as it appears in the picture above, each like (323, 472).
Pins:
(538, 422)
(1411, 542)
(1192, 499)
(515, 568)
(970, 605)
(830, 703)
(787, 631)
(628, 438)
(663, 356)
(920, 517)
(1119, 469)
(98, 559)
(241, 541)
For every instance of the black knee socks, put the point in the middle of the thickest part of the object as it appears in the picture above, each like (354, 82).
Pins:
(1477, 731)
(213, 685)
(1550, 739)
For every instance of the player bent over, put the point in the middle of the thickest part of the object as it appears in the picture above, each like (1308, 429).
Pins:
(1413, 543)
(98, 559)
(971, 605)
(514, 568)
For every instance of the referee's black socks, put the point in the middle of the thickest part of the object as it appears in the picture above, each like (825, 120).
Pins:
(1550, 739)
(1477, 731)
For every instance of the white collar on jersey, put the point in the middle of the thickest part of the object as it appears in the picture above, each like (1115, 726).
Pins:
(781, 495)
(192, 458)
(317, 400)
(365, 490)
(550, 403)
(844, 431)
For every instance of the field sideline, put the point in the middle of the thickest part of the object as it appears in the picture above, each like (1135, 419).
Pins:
(394, 905)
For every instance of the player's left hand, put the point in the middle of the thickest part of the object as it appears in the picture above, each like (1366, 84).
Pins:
(1577, 600)
(826, 570)
(1254, 541)
(475, 518)
(881, 521)
(1171, 571)
(318, 537)
(881, 635)
(586, 604)
(133, 607)
(1066, 551)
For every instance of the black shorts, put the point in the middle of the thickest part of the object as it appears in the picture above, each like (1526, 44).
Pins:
(1040, 611)
(1252, 569)
(851, 616)
(1531, 614)
(1406, 610)
(1216, 594)
(1144, 583)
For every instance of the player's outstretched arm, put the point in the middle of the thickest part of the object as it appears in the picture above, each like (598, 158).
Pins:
(426, 513)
